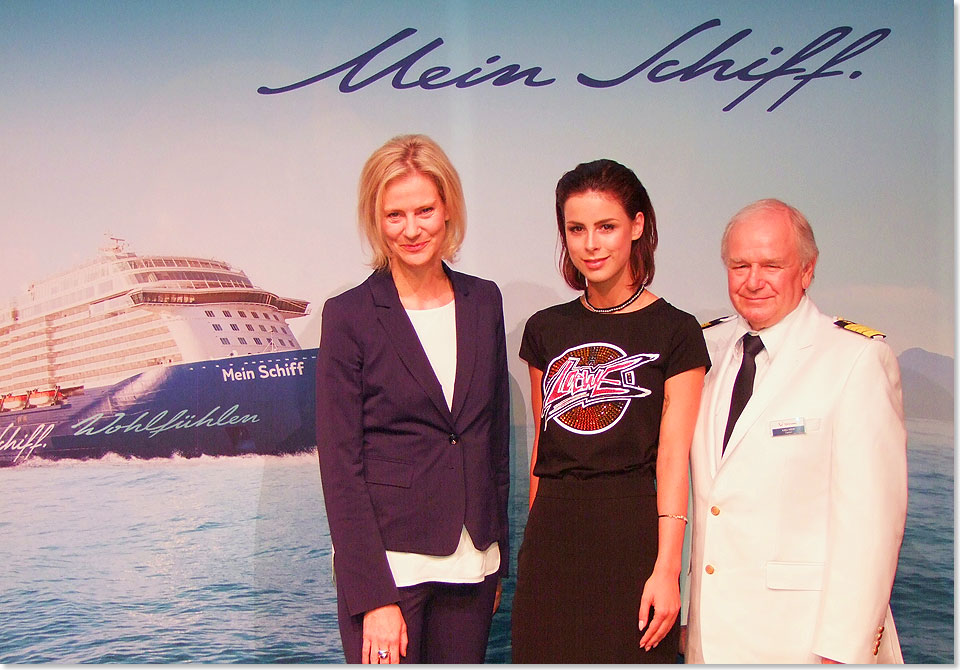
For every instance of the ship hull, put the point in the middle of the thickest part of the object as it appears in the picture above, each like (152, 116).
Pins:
(257, 404)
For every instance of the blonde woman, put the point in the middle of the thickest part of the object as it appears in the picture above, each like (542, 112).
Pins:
(413, 424)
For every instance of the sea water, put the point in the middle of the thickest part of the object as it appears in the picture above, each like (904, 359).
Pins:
(224, 560)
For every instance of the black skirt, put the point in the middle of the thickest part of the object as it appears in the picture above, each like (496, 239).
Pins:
(588, 548)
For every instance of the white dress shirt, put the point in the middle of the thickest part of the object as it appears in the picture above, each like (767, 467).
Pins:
(773, 339)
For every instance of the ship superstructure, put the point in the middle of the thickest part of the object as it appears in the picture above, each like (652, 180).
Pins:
(123, 313)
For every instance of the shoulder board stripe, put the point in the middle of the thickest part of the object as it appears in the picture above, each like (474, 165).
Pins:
(722, 319)
(859, 329)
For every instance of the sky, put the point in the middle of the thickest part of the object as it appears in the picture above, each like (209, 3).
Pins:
(143, 120)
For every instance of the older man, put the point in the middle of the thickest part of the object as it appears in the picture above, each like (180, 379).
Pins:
(799, 467)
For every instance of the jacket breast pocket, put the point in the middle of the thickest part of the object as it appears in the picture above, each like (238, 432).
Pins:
(389, 473)
(784, 576)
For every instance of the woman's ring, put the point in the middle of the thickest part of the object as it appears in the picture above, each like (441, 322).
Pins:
(383, 653)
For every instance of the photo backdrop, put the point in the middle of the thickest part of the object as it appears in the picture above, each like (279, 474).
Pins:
(237, 130)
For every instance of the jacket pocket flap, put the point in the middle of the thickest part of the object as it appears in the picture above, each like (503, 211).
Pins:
(794, 576)
(391, 473)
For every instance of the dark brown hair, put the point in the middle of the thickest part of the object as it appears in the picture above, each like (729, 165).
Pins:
(620, 183)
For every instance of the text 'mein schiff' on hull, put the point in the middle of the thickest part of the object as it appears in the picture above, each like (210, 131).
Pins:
(152, 356)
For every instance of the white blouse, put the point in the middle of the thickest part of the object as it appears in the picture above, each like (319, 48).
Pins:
(437, 330)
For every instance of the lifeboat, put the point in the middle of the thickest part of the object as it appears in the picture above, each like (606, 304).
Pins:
(44, 398)
(14, 401)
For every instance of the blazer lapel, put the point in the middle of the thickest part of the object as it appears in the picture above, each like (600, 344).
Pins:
(466, 315)
(401, 334)
(796, 350)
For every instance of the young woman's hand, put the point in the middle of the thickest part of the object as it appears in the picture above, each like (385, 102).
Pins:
(662, 592)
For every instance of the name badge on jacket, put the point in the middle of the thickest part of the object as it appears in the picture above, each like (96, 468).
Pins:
(794, 426)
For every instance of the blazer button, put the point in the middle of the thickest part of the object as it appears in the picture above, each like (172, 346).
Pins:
(453, 438)
(714, 510)
(709, 569)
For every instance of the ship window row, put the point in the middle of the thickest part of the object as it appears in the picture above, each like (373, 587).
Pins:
(256, 296)
(163, 299)
(98, 344)
(80, 295)
(257, 340)
(212, 278)
(235, 327)
(32, 335)
(68, 281)
(114, 370)
(111, 316)
(200, 285)
(113, 325)
(17, 314)
(158, 262)
(65, 359)
(218, 328)
(102, 345)
(122, 354)
(243, 315)
(47, 372)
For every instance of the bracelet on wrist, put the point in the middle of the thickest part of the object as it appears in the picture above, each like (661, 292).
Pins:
(681, 517)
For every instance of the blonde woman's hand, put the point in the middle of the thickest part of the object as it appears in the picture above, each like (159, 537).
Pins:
(384, 630)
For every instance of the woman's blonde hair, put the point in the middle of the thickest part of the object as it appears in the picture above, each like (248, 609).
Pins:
(400, 157)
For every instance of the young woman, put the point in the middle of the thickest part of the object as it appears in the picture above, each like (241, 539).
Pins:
(413, 425)
(615, 379)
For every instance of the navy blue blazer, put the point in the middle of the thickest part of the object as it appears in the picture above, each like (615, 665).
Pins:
(399, 469)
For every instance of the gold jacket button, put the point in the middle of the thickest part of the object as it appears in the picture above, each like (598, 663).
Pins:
(714, 510)
(709, 569)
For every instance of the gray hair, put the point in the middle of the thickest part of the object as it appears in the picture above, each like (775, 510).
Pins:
(806, 244)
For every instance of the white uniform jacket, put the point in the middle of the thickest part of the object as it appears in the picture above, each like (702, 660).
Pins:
(796, 534)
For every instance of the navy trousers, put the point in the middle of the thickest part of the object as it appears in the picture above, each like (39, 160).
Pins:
(446, 623)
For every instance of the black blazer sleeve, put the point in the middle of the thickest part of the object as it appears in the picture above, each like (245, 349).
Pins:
(500, 449)
(360, 561)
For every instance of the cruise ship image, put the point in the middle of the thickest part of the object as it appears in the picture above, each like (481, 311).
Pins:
(152, 356)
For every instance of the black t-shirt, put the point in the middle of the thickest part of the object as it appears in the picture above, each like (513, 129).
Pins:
(603, 377)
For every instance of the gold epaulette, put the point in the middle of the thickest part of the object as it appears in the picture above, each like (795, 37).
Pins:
(722, 319)
(860, 329)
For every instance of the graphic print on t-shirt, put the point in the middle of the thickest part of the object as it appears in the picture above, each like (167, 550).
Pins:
(588, 388)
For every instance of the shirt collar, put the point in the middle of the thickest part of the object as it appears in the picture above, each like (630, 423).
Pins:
(774, 336)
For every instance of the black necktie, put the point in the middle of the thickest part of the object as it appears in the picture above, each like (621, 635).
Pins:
(743, 386)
